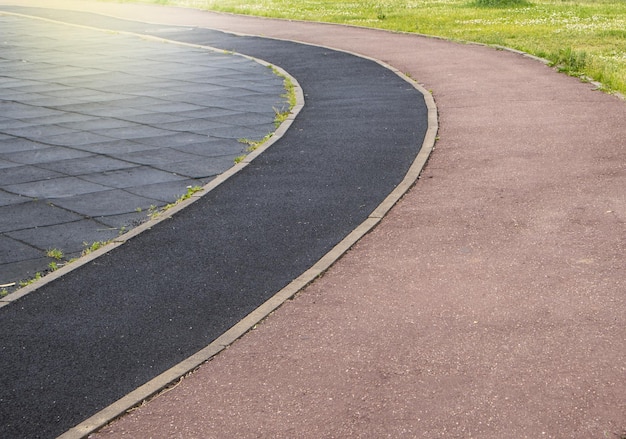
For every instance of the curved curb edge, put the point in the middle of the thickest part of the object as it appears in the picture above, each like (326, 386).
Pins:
(170, 377)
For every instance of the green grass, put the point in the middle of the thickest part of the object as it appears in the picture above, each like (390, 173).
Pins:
(580, 37)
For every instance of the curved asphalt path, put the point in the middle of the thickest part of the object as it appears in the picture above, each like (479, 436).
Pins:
(79, 343)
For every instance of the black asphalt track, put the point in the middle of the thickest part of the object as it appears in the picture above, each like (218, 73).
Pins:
(81, 342)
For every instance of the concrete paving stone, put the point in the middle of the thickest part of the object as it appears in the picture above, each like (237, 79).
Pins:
(133, 132)
(195, 88)
(62, 187)
(156, 118)
(171, 107)
(194, 125)
(25, 173)
(241, 132)
(38, 131)
(103, 203)
(60, 119)
(73, 235)
(184, 72)
(22, 270)
(24, 97)
(133, 89)
(6, 164)
(69, 92)
(165, 192)
(163, 93)
(237, 93)
(16, 144)
(9, 123)
(240, 105)
(200, 168)
(214, 147)
(136, 101)
(205, 100)
(174, 140)
(7, 199)
(43, 87)
(86, 165)
(125, 220)
(9, 92)
(31, 214)
(209, 112)
(158, 156)
(14, 250)
(16, 82)
(22, 111)
(102, 109)
(67, 73)
(76, 138)
(52, 102)
(104, 97)
(136, 176)
(247, 119)
(54, 153)
(113, 147)
(91, 124)
(35, 75)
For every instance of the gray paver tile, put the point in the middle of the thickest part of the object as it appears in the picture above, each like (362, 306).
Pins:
(50, 154)
(166, 192)
(110, 202)
(194, 125)
(170, 107)
(18, 110)
(86, 165)
(200, 168)
(68, 237)
(9, 123)
(173, 140)
(125, 220)
(114, 147)
(7, 199)
(22, 270)
(137, 176)
(156, 118)
(242, 132)
(60, 119)
(157, 156)
(6, 164)
(133, 132)
(76, 138)
(214, 148)
(246, 119)
(16, 144)
(55, 188)
(38, 131)
(100, 123)
(33, 214)
(25, 173)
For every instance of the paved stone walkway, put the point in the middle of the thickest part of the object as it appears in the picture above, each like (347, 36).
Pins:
(98, 127)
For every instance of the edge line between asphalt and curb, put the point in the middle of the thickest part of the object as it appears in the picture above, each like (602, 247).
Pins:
(165, 379)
